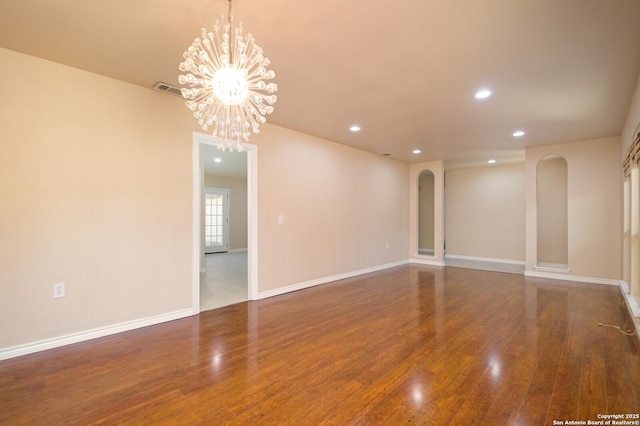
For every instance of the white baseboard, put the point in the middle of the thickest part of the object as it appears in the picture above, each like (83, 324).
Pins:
(568, 277)
(42, 345)
(485, 259)
(11, 352)
(423, 261)
(319, 281)
(560, 269)
(625, 287)
(237, 250)
(633, 304)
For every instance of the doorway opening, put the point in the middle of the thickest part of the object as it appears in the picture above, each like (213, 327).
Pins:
(224, 269)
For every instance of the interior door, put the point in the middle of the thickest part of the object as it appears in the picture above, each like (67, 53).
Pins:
(216, 216)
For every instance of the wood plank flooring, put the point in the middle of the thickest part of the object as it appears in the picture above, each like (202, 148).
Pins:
(412, 344)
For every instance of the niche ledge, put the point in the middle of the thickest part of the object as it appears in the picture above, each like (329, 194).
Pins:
(557, 268)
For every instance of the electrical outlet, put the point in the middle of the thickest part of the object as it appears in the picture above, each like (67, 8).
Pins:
(58, 290)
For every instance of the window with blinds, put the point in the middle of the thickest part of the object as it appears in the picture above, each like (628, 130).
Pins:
(631, 255)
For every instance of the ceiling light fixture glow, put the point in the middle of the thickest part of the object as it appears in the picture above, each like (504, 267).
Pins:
(417, 151)
(492, 161)
(518, 133)
(354, 128)
(217, 160)
(483, 94)
(226, 74)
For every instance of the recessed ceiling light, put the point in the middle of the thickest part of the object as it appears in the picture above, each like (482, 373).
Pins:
(483, 93)
(518, 133)
(417, 151)
(218, 160)
(354, 128)
(491, 161)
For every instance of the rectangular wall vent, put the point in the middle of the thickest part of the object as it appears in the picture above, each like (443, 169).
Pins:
(165, 87)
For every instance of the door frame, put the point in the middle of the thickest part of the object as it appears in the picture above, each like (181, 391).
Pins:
(252, 219)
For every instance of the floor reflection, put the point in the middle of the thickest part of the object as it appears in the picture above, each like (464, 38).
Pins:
(412, 344)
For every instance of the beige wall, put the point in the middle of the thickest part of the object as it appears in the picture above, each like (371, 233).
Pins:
(237, 207)
(341, 207)
(594, 206)
(95, 180)
(484, 212)
(97, 192)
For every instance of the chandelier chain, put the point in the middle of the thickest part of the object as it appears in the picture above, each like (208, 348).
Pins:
(231, 31)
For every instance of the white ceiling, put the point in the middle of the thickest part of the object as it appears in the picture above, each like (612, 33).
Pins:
(232, 164)
(406, 71)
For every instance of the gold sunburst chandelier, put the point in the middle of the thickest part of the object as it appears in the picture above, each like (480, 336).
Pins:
(227, 83)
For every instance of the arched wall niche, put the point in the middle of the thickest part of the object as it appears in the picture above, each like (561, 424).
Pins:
(426, 209)
(552, 213)
(426, 198)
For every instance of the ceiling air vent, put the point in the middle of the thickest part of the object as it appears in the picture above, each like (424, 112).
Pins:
(167, 88)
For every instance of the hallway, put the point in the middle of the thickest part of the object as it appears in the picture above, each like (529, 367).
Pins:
(225, 281)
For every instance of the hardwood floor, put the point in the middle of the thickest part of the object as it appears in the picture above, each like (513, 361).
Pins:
(411, 344)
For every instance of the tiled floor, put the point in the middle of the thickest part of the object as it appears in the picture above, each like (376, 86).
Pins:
(225, 281)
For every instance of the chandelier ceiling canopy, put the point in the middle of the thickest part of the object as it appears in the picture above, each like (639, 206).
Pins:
(227, 79)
